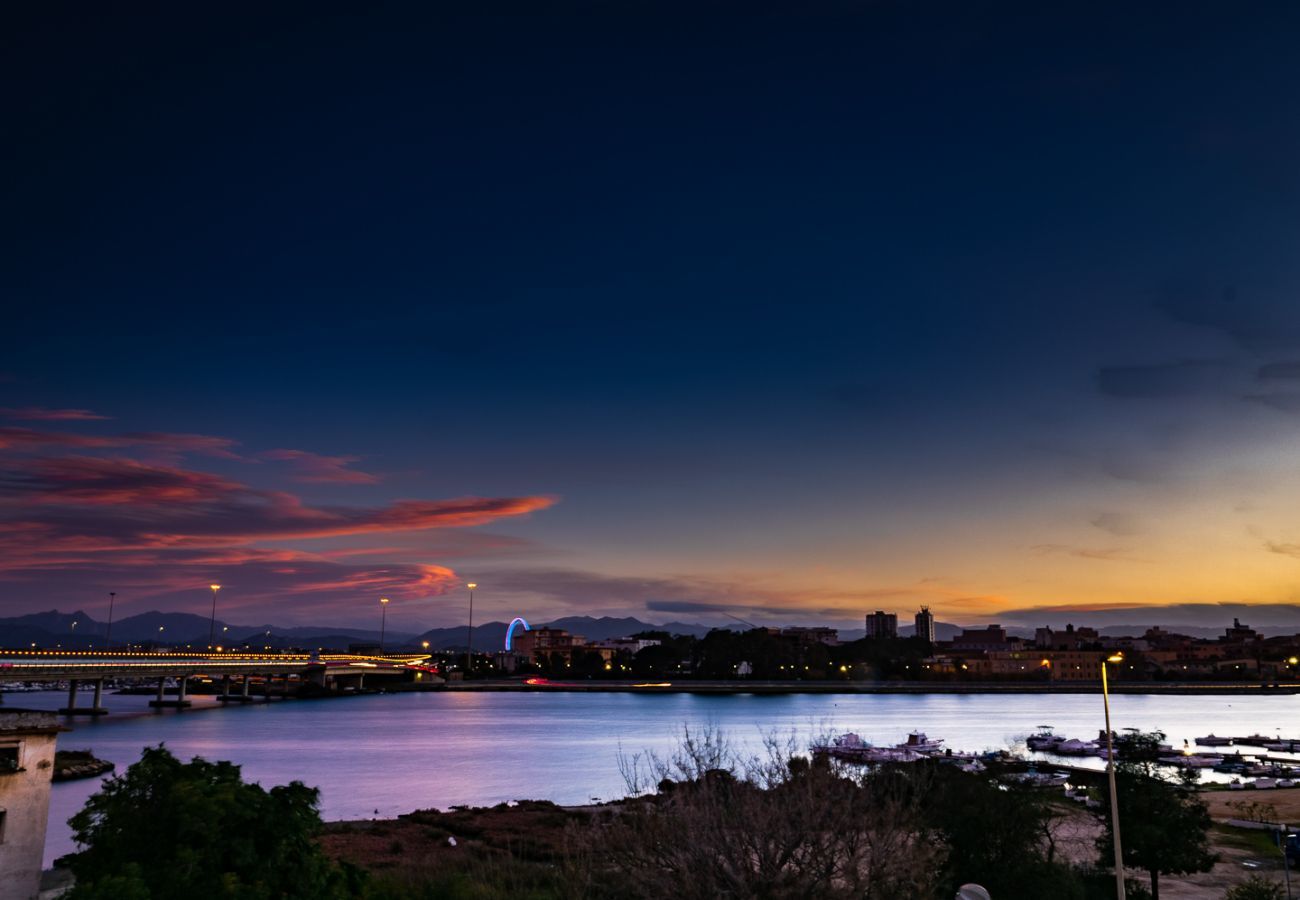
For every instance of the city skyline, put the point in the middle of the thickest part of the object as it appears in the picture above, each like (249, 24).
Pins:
(848, 309)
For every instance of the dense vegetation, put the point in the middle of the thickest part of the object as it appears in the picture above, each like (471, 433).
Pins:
(168, 829)
(706, 822)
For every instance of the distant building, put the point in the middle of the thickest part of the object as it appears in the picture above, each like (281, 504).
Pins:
(1070, 639)
(881, 624)
(925, 624)
(627, 645)
(991, 638)
(1240, 633)
(828, 636)
(1052, 665)
(27, 742)
(541, 642)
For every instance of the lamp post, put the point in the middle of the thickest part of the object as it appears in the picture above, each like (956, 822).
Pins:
(1110, 776)
(108, 635)
(383, 621)
(469, 636)
(212, 625)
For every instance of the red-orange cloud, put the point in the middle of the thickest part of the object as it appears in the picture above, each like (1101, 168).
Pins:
(151, 525)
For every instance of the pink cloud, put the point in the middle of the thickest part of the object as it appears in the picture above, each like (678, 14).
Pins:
(41, 414)
(83, 510)
(313, 468)
(32, 440)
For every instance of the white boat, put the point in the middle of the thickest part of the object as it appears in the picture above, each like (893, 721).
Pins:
(1043, 739)
(1286, 783)
(849, 746)
(917, 742)
(1264, 784)
(1212, 740)
(1076, 747)
(1236, 785)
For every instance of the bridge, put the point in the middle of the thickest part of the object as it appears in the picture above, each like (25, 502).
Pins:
(328, 670)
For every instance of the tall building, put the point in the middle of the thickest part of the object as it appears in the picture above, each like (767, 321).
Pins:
(925, 624)
(881, 624)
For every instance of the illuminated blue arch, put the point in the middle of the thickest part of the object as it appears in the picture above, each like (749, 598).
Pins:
(510, 631)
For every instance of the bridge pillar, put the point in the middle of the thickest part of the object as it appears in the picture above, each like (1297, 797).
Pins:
(179, 703)
(71, 708)
(93, 710)
(224, 696)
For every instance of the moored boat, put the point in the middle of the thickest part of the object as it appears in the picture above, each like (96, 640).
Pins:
(918, 742)
(1044, 739)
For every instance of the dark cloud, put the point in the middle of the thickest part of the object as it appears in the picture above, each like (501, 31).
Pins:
(1211, 615)
(1176, 379)
(1257, 323)
(1100, 553)
(740, 610)
(1287, 403)
(1116, 523)
(585, 590)
(1279, 370)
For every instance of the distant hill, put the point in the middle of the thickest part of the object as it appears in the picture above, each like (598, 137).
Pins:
(493, 634)
(488, 636)
(55, 629)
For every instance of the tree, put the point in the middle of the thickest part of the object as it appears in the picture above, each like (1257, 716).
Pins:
(1164, 825)
(170, 829)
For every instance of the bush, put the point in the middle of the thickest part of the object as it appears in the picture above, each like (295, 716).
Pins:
(1256, 888)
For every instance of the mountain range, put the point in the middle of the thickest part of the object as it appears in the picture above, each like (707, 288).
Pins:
(57, 629)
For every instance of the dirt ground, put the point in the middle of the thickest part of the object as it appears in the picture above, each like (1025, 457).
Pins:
(1241, 852)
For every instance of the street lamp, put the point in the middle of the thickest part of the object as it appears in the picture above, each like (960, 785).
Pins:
(383, 621)
(212, 626)
(1110, 776)
(469, 637)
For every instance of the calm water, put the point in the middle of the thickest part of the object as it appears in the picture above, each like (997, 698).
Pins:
(388, 754)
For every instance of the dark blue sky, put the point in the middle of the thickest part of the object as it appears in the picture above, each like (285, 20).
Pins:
(793, 311)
